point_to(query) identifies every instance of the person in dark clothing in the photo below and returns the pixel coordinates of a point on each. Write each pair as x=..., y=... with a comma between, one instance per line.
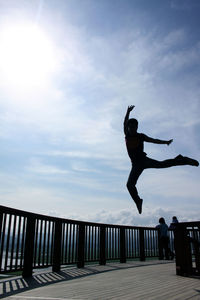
x=140, y=161
x=163, y=241
x=174, y=222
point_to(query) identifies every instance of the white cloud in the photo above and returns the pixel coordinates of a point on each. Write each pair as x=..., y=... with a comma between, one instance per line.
x=36, y=166
x=176, y=61
x=174, y=38
x=65, y=115
x=130, y=217
x=184, y=5
x=170, y=183
x=80, y=113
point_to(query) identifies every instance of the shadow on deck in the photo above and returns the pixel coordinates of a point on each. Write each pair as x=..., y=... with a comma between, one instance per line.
x=15, y=285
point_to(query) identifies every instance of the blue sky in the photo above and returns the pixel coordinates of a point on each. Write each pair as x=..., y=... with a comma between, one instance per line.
x=68, y=71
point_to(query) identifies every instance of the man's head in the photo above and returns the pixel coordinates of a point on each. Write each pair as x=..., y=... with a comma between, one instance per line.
x=174, y=219
x=162, y=221
x=132, y=126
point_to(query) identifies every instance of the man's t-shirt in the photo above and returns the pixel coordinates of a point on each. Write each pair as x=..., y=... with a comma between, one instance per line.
x=135, y=146
x=163, y=228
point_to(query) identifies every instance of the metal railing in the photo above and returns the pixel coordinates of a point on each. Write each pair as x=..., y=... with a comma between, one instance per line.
x=187, y=247
x=29, y=241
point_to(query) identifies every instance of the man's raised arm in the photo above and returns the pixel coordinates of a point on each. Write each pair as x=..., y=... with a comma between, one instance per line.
x=129, y=109
x=157, y=141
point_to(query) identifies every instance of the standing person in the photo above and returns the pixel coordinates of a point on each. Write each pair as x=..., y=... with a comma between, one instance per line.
x=174, y=222
x=140, y=161
x=172, y=226
x=163, y=240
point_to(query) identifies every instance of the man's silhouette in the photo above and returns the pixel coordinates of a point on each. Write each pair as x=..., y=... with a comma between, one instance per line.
x=140, y=161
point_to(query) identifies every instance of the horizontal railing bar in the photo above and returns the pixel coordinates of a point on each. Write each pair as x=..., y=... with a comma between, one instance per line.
x=189, y=224
x=23, y=213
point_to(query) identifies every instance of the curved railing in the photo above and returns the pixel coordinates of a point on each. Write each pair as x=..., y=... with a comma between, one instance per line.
x=29, y=241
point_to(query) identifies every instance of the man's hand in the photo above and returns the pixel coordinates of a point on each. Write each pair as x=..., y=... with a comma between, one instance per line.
x=169, y=142
x=130, y=108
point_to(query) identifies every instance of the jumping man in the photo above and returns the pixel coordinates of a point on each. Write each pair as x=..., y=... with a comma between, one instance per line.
x=140, y=161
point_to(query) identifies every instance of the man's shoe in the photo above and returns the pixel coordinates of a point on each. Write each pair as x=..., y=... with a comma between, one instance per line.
x=187, y=160
x=191, y=162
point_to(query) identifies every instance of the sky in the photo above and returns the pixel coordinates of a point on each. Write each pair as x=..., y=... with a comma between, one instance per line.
x=68, y=71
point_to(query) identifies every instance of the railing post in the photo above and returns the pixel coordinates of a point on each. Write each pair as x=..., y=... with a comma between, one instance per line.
x=1, y=221
x=122, y=245
x=196, y=254
x=183, y=251
x=29, y=247
x=57, y=246
x=1, y=238
x=102, y=245
x=142, y=252
x=81, y=245
x=196, y=247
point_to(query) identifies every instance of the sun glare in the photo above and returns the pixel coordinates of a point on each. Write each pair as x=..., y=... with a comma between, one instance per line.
x=26, y=56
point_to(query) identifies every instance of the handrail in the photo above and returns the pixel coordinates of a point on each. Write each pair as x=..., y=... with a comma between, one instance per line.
x=7, y=209
x=29, y=240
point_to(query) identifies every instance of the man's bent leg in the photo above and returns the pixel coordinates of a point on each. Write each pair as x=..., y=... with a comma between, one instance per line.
x=132, y=180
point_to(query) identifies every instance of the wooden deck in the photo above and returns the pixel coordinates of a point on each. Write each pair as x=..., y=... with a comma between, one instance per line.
x=148, y=280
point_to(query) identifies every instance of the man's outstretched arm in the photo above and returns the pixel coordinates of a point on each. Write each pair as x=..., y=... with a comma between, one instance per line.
x=129, y=109
x=157, y=141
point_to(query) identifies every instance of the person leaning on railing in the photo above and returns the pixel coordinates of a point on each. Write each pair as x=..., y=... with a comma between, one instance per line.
x=164, y=240
x=173, y=223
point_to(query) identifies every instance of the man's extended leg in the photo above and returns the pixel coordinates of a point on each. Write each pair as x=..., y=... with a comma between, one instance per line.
x=132, y=180
x=177, y=161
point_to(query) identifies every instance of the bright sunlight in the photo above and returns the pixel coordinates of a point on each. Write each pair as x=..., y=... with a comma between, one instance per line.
x=26, y=56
